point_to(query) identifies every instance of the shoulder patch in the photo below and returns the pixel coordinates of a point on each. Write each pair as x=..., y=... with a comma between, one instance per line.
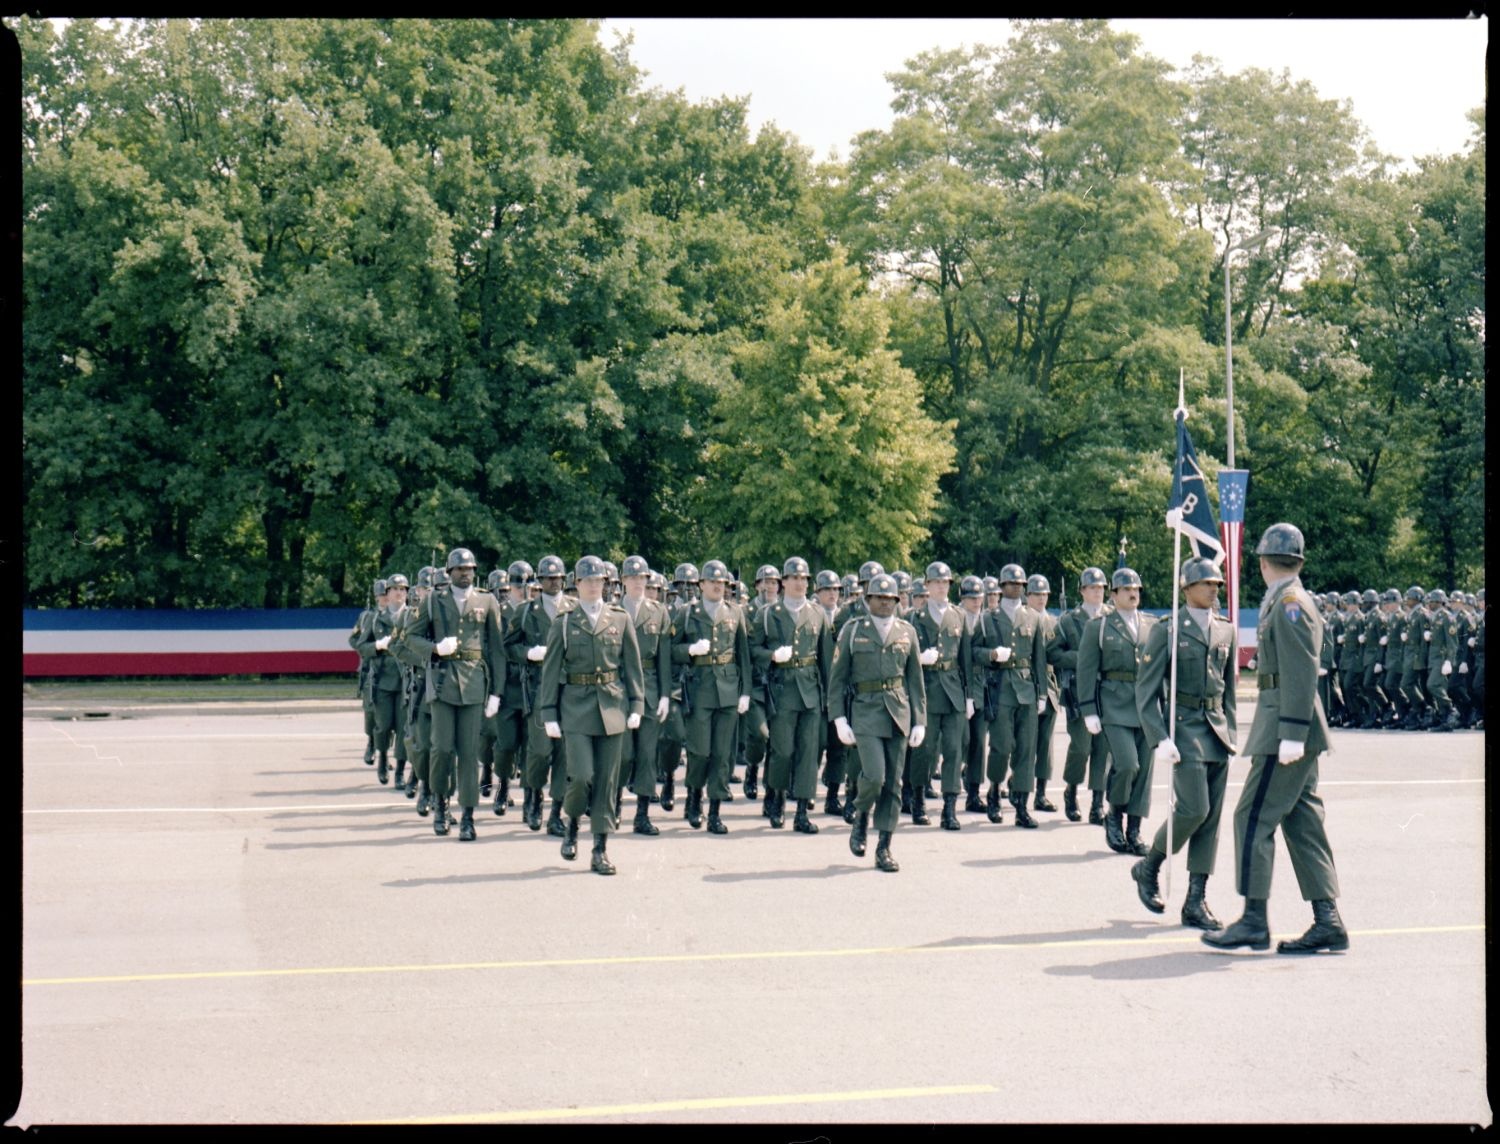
x=1293, y=608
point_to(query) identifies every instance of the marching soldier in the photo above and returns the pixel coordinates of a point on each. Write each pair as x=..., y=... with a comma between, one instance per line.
x=1387, y=670
x=1372, y=646
x=1441, y=637
x=1011, y=651
x=1203, y=737
x=791, y=647
x=1328, y=657
x=459, y=629
x=1108, y=663
x=755, y=728
x=526, y=648
x=878, y=677
x=829, y=588
x=1351, y=659
x=1478, y=645
x=653, y=636
x=991, y=594
x=946, y=659
x=854, y=607
x=383, y=678
x=712, y=639
x=1281, y=790
x=1413, y=647
x=976, y=729
x=1037, y=591
x=592, y=693
x=674, y=731
x=356, y=637
x=1085, y=750
x=418, y=707
x=510, y=723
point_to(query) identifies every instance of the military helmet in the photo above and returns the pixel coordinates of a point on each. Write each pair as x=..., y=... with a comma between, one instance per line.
x=611, y=570
x=440, y=578
x=1125, y=578
x=656, y=580
x=1037, y=585
x=1390, y=596
x=1369, y=596
x=937, y=570
x=1349, y=598
x=850, y=584
x=424, y=576
x=1415, y=592
x=1198, y=569
x=795, y=566
x=493, y=580
x=1479, y=596
x=1280, y=540
x=1437, y=596
x=903, y=580
x=970, y=586
x=827, y=578
x=379, y=587
x=685, y=574
x=590, y=568
x=461, y=558
x=396, y=580
x=918, y=590
x=635, y=566
x=1012, y=574
x=991, y=585
x=518, y=573
x=716, y=571
x=767, y=572
x=882, y=584
x=868, y=569
x=1093, y=578
x=550, y=566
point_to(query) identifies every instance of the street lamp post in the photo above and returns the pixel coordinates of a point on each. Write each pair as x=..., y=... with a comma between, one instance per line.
x=1252, y=243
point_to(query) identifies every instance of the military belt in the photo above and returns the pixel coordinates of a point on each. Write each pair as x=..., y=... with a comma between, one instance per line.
x=713, y=660
x=1266, y=682
x=468, y=655
x=801, y=661
x=1200, y=702
x=593, y=677
x=870, y=685
x=1121, y=676
x=1013, y=663
x=944, y=665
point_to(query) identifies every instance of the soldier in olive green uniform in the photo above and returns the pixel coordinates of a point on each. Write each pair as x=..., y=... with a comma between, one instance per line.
x=712, y=640
x=976, y=729
x=545, y=772
x=829, y=588
x=1387, y=670
x=418, y=707
x=791, y=647
x=1328, y=659
x=1037, y=591
x=653, y=635
x=1203, y=738
x=1351, y=659
x=459, y=628
x=356, y=637
x=1281, y=790
x=1108, y=664
x=755, y=727
x=510, y=722
x=384, y=678
x=1009, y=649
x=674, y=730
x=1085, y=750
x=947, y=662
x=1411, y=644
x=877, y=676
x=1371, y=654
x=1442, y=642
x=592, y=692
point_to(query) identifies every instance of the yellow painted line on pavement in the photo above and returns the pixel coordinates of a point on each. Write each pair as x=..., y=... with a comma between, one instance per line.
x=715, y=1102
x=679, y=958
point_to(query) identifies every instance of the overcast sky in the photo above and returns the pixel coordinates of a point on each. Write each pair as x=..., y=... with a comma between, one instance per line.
x=1410, y=81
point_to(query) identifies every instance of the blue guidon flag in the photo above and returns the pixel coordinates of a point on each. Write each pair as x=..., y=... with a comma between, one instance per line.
x=1189, y=509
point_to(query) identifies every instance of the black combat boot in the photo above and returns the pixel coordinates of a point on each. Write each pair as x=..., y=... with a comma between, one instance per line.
x=1023, y=816
x=1326, y=932
x=1041, y=801
x=397, y=778
x=883, y=859
x=502, y=796
x=992, y=803
x=857, y=835
x=930, y=792
x=1146, y=885
x=383, y=770
x=526, y=805
x=752, y=788
x=424, y=804
x=832, y=805
x=778, y=809
x=440, y=819
x=693, y=812
x=1448, y=724
x=1114, y=830
x=554, y=820
x=466, y=825
x=1251, y=929
x=972, y=805
x=1070, y=802
x=411, y=783
x=570, y=840
x=1133, y=843
x=536, y=809
x=919, y=808
x=600, y=863
x=487, y=780
x=643, y=823
x=1195, y=911
x=715, y=823
x=850, y=814
x=668, y=792
x=802, y=823
x=950, y=813
x=1096, y=808
x=369, y=751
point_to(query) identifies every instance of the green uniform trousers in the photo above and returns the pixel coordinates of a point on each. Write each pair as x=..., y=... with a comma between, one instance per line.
x=544, y=759
x=1044, y=725
x=1198, y=788
x=1129, y=784
x=593, y=769
x=455, y=731
x=1085, y=751
x=419, y=730
x=976, y=748
x=835, y=757
x=710, y=747
x=390, y=722
x=639, y=757
x=1013, y=747
x=793, y=743
x=1286, y=797
x=880, y=764
x=945, y=735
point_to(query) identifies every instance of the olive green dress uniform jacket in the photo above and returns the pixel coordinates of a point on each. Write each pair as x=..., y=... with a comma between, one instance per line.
x=946, y=681
x=1028, y=653
x=1394, y=652
x=576, y=648
x=715, y=685
x=528, y=629
x=1288, y=640
x=809, y=634
x=1376, y=627
x=383, y=667
x=1206, y=725
x=859, y=657
x=1416, y=628
x=1052, y=642
x=1109, y=648
x=476, y=670
x=653, y=635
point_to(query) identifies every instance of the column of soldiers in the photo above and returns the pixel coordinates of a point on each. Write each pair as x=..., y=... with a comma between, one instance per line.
x=902, y=696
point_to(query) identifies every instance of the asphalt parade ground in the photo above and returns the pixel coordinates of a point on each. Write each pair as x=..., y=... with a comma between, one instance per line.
x=226, y=919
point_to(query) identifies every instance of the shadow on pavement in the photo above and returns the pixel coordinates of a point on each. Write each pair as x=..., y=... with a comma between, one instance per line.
x=1114, y=929
x=1156, y=967
x=469, y=879
x=777, y=875
x=1042, y=859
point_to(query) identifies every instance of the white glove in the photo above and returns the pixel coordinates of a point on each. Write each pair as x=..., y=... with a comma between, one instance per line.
x=382, y=643
x=1041, y=706
x=1167, y=752
x=1384, y=640
x=1471, y=642
x=1341, y=639
x=1463, y=669
x=1290, y=751
x=781, y=654
x=1361, y=638
x=929, y=657
x=1379, y=668
x=1427, y=635
x=744, y=704
x=1322, y=671
x=1250, y=666
x=537, y=653
x=633, y=721
x=999, y=654
x=699, y=647
x=1093, y=724
x=845, y=732
x=968, y=709
x=918, y=733
x=491, y=705
x=1447, y=668
x=553, y=730
x=1404, y=637
x=447, y=645
x=661, y=709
